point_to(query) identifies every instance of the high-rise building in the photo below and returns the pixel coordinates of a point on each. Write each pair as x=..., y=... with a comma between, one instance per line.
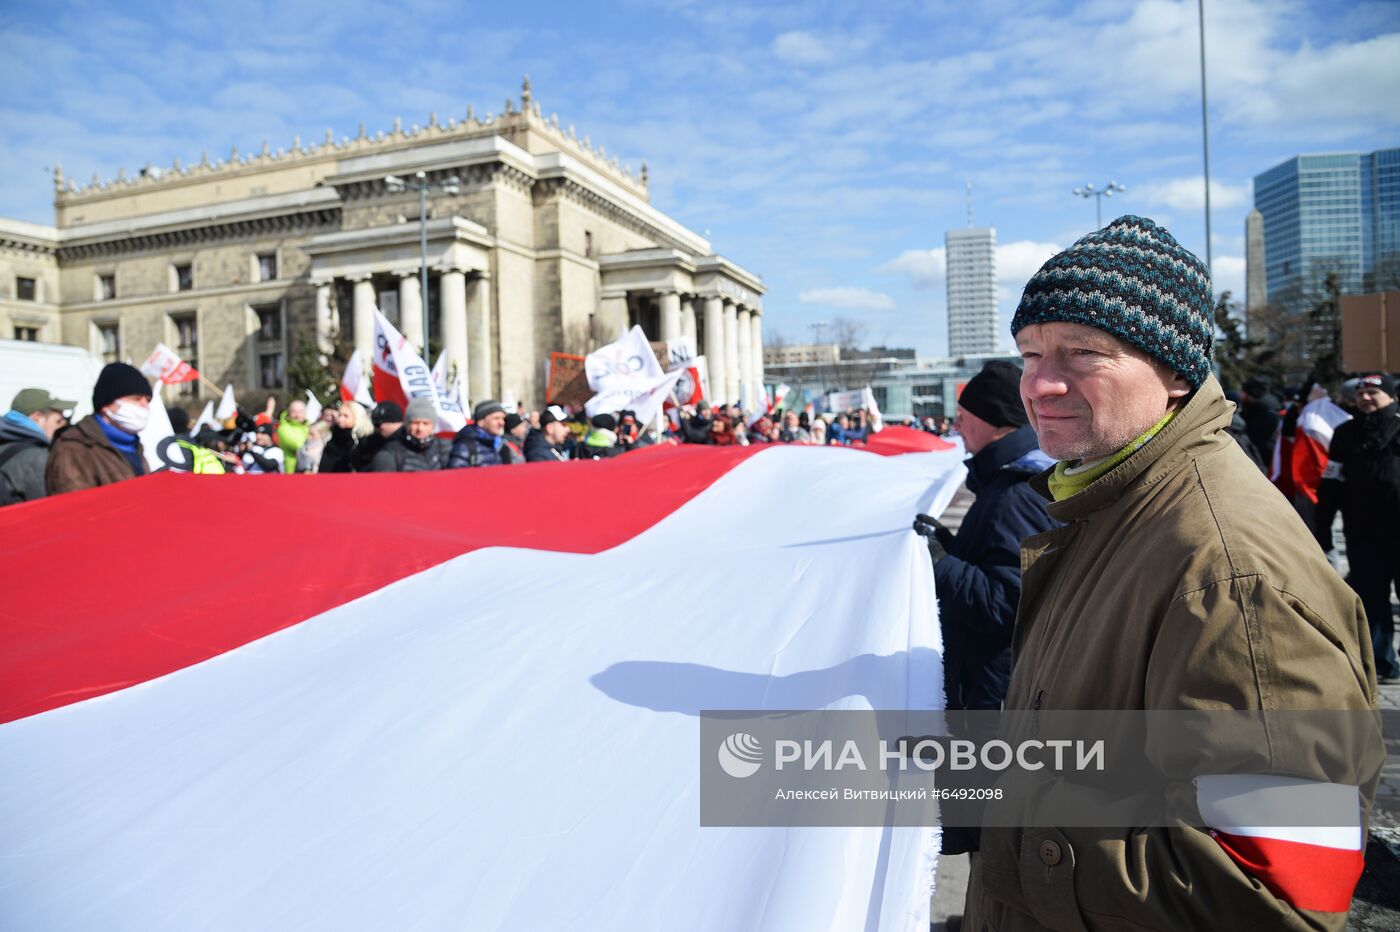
x=1333, y=214
x=1337, y=213
x=973, y=327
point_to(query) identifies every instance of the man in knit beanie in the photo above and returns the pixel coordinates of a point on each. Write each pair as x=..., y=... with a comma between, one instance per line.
x=105, y=446
x=1181, y=581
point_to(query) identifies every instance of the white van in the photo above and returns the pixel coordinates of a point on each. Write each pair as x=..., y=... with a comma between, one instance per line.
x=63, y=371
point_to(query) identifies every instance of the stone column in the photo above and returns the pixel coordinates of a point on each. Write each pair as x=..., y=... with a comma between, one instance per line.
x=756, y=350
x=479, y=338
x=745, y=360
x=714, y=347
x=688, y=323
x=364, y=315
x=670, y=304
x=411, y=310
x=325, y=323
x=452, y=286
x=731, y=353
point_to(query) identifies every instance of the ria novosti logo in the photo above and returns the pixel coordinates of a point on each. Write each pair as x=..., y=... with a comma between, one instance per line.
x=740, y=755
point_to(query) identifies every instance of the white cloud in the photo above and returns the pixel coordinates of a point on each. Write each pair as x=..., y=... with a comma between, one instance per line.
x=1018, y=261
x=1189, y=193
x=805, y=48
x=858, y=298
x=802, y=48
x=1227, y=273
x=926, y=268
x=923, y=267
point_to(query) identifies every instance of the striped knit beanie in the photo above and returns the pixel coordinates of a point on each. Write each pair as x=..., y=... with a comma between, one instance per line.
x=1130, y=279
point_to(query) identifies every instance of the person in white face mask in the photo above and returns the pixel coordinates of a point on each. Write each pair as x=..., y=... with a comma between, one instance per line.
x=103, y=447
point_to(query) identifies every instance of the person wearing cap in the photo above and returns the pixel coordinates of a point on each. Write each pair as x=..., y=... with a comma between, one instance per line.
x=387, y=420
x=1181, y=580
x=517, y=428
x=977, y=572
x=415, y=448
x=26, y=431
x=105, y=446
x=260, y=453
x=482, y=442
x=600, y=442
x=545, y=444
x=1259, y=407
x=1364, y=458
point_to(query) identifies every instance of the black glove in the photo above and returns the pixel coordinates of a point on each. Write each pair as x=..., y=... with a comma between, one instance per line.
x=940, y=539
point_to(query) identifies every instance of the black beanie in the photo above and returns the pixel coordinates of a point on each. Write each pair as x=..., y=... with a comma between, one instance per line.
x=994, y=395
x=117, y=380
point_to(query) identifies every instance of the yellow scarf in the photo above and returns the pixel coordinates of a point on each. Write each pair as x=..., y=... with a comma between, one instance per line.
x=1070, y=478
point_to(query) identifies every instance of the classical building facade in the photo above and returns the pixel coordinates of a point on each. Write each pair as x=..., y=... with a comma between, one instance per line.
x=542, y=244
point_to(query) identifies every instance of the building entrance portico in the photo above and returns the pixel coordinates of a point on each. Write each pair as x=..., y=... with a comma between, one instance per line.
x=708, y=302
x=380, y=267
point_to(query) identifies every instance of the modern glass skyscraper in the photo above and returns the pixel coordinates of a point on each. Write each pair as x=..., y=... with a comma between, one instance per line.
x=1333, y=214
x=1337, y=213
x=973, y=328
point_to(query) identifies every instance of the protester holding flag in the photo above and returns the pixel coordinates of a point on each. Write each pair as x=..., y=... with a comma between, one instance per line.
x=105, y=446
x=292, y=431
x=977, y=571
x=416, y=448
x=482, y=442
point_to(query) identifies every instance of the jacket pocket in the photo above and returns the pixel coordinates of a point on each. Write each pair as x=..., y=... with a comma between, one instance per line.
x=1047, y=879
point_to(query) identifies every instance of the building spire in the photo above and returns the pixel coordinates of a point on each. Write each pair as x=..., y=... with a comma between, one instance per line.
x=525, y=95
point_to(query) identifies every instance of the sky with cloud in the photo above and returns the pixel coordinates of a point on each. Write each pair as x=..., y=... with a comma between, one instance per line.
x=824, y=145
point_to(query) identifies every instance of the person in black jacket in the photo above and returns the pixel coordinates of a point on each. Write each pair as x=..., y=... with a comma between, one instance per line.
x=1259, y=408
x=1365, y=457
x=387, y=420
x=545, y=444
x=415, y=448
x=977, y=572
x=351, y=426
x=696, y=429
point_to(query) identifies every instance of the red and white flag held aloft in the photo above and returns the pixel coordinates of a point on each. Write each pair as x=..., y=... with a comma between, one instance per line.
x=401, y=375
x=354, y=386
x=165, y=364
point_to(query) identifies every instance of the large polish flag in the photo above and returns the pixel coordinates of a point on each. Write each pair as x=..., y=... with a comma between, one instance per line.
x=463, y=700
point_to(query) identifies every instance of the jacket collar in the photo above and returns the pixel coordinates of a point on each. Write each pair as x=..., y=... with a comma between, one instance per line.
x=998, y=454
x=1197, y=429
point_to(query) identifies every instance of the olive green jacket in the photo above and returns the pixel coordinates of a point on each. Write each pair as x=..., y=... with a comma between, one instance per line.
x=1182, y=580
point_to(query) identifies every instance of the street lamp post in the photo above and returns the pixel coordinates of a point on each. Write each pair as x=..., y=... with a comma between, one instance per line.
x=1098, y=194
x=449, y=185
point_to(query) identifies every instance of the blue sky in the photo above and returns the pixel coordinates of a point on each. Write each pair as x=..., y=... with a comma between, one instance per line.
x=823, y=145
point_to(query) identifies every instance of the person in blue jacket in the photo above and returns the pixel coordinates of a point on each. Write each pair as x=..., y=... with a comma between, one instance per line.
x=977, y=572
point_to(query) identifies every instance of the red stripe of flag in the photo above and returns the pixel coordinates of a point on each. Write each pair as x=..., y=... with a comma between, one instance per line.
x=1305, y=876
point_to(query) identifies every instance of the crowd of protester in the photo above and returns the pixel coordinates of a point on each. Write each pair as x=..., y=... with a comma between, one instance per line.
x=41, y=453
